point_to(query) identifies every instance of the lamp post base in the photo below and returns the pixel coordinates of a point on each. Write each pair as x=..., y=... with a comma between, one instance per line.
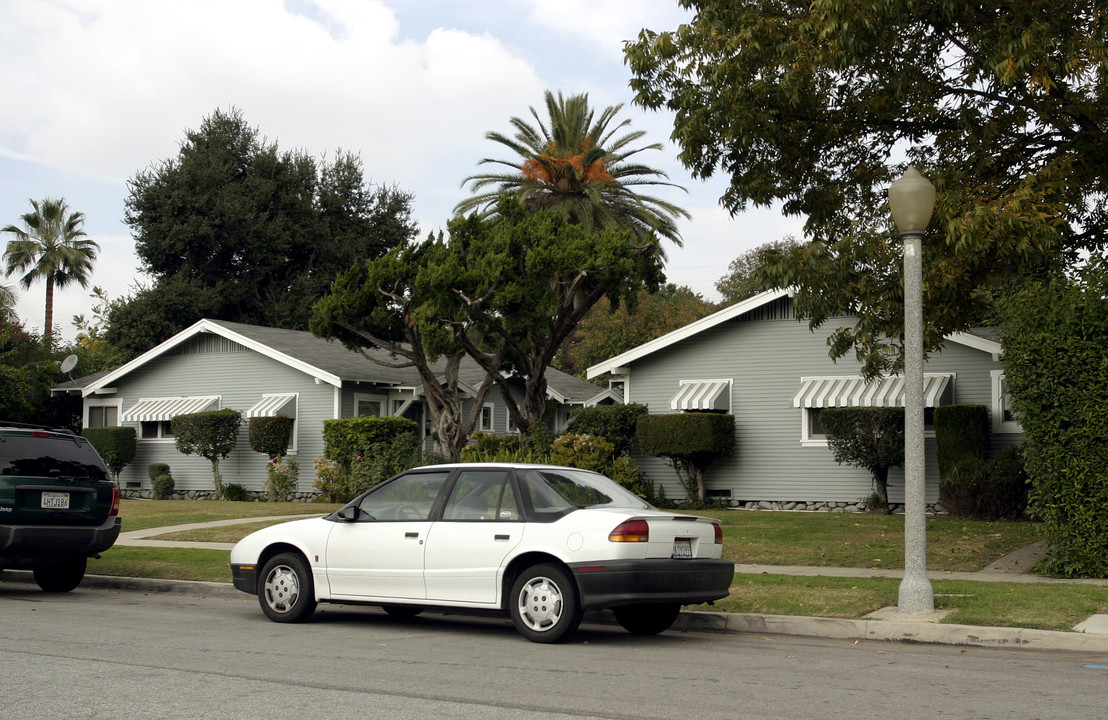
x=916, y=596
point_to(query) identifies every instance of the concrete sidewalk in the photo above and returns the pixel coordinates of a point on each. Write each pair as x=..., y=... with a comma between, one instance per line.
x=885, y=624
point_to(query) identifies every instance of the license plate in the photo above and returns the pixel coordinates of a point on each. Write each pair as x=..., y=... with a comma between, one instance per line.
x=682, y=548
x=55, y=500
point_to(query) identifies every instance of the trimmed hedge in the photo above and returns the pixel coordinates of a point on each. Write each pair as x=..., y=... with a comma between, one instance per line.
x=211, y=435
x=615, y=423
x=270, y=435
x=346, y=439
x=117, y=445
x=867, y=437
x=690, y=442
x=961, y=431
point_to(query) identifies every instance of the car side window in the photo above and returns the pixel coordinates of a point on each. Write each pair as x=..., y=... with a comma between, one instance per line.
x=482, y=495
x=408, y=497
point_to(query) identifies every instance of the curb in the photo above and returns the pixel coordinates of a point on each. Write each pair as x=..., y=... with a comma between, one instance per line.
x=906, y=631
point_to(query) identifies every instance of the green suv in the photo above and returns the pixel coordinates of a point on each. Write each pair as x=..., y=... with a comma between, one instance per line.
x=58, y=504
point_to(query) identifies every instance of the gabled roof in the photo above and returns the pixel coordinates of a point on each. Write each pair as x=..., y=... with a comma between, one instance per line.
x=983, y=339
x=328, y=361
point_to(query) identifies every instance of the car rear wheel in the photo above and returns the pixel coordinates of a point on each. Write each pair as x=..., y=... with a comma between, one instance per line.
x=646, y=619
x=63, y=576
x=286, y=592
x=543, y=604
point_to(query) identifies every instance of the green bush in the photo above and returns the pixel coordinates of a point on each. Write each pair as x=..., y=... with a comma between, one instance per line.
x=994, y=489
x=236, y=493
x=153, y=470
x=282, y=476
x=211, y=435
x=117, y=445
x=867, y=437
x=1056, y=369
x=348, y=438
x=270, y=435
x=616, y=423
x=162, y=485
x=961, y=431
x=690, y=442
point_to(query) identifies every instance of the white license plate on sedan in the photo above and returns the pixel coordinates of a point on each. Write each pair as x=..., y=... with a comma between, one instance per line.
x=55, y=500
x=682, y=548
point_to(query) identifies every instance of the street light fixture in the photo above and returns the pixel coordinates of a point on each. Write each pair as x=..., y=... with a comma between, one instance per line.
x=911, y=200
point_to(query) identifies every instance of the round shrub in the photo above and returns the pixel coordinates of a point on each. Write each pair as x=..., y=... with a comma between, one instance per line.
x=163, y=486
x=236, y=493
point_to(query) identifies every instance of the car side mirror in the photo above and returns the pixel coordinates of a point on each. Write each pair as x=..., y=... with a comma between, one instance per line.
x=349, y=513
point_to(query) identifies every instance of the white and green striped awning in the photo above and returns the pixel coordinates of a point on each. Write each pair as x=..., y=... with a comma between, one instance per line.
x=702, y=395
x=160, y=409
x=856, y=391
x=274, y=404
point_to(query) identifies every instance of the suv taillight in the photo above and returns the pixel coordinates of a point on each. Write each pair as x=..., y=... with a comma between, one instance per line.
x=631, y=531
x=719, y=534
x=115, y=502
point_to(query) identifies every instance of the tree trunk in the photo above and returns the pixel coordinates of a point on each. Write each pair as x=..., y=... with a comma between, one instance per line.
x=48, y=331
x=881, y=487
x=218, y=479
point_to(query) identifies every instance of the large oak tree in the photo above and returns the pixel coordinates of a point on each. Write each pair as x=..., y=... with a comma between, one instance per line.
x=815, y=105
x=236, y=229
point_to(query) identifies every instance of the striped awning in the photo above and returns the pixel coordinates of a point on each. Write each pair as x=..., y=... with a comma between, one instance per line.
x=702, y=395
x=855, y=391
x=159, y=409
x=274, y=404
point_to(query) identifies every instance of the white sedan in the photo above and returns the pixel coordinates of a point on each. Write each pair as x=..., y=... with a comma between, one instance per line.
x=542, y=543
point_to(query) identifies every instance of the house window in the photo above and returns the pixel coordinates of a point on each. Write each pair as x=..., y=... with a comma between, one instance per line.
x=512, y=427
x=154, y=415
x=156, y=429
x=1004, y=417
x=103, y=415
x=371, y=405
x=486, y=419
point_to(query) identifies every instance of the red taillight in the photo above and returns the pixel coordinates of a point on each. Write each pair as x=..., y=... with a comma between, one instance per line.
x=115, y=502
x=719, y=533
x=631, y=531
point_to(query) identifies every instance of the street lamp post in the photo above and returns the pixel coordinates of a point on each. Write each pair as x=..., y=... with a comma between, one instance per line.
x=911, y=200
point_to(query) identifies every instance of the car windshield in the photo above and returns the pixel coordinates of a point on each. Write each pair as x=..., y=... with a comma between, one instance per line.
x=558, y=490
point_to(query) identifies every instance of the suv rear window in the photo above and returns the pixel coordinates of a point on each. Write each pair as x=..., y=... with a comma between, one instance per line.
x=49, y=456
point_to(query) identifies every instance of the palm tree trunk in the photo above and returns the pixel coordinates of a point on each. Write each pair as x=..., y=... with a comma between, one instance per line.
x=48, y=331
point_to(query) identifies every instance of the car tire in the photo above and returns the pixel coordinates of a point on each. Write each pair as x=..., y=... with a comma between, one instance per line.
x=285, y=589
x=543, y=604
x=402, y=612
x=61, y=577
x=647, y=619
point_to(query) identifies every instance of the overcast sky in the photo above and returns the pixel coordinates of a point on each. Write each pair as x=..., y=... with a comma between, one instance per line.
x=97, y=90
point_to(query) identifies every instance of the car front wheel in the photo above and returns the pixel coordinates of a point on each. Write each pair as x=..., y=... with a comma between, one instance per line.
x=285, y=592
x=543, y=604
x=63, y=576
x=646, y=619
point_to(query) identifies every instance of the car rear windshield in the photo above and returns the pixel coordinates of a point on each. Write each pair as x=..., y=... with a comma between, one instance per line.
x=557, y=491
x=49, y=456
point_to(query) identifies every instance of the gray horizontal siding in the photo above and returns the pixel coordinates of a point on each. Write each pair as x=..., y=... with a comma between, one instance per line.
x=765, y=358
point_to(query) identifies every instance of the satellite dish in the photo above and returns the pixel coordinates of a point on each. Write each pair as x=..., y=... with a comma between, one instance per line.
x=69, y=363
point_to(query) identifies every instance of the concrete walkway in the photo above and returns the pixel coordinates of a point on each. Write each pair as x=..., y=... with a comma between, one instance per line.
x=885, y=624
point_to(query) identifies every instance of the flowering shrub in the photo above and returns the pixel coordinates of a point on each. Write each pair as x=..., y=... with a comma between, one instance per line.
x=283, y=476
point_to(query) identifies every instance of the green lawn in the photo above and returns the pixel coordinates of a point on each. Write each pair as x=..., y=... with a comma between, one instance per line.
x=768, y=538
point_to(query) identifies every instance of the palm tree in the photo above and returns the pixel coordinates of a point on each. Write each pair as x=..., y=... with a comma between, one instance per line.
x=7, y=304
x=578, y=165
x=51, y=245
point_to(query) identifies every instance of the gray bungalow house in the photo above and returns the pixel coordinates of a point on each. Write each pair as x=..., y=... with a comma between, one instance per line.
x=264, y=371
x=757, y=362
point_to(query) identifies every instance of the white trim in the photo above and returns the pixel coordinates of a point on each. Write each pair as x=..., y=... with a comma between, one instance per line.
x=693, y=328
x=210, y=326
x=1000, y=425
x=619, y=365
x=381, y=400
x=116, y=403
